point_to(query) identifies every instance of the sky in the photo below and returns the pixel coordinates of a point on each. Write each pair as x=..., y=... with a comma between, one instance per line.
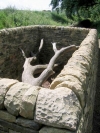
x=26, y=4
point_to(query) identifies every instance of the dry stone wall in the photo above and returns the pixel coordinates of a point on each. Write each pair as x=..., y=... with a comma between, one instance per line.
x=67, y=107
x=28, y=38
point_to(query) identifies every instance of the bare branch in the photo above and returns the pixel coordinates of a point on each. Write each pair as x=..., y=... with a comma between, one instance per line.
x=29, y=72
x=23, y=53
x=58, y=52
x=54, y=47
x=39, y=68
x=40, y=47
x=49, y=70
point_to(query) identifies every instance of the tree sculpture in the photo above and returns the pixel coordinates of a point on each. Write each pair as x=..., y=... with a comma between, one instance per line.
x=47, y=70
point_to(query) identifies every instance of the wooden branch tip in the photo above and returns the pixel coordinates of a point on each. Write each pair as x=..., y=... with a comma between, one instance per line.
x=41, y=45
x=54, y=47
x=23, y=53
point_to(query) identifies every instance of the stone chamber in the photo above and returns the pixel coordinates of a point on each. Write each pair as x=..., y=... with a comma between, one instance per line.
x=67, y=105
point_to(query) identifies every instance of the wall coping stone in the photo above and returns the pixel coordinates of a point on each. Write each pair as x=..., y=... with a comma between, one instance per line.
x=75, y=101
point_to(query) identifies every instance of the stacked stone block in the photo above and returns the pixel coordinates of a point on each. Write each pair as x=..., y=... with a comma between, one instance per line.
x=67, y=107
x=28, y=38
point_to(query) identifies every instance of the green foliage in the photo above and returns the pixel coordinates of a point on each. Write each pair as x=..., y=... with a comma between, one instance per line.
x=59, y=18
x=2, y=19
x=73, y=7
x=11, y=17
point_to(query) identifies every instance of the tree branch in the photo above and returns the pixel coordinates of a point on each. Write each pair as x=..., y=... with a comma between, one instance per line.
x=49, y=70
x=29, y=72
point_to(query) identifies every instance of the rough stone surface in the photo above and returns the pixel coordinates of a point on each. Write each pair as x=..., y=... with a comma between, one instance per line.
x=60, y=79
x=28, y=38
x=14, y=96
x=96, y=118
x=79, y=61
x=5, y=84
x=28, y=123
x=12, y=131
x=47, y=129
x=82, y=67
x=2, y=128
x=77, y=89
x=28, y=102
x=85, y=54
x=6, y=116
x=3, y=132
x=71, y=82
x=15, y=127
x=74, y=72
x=62, y=100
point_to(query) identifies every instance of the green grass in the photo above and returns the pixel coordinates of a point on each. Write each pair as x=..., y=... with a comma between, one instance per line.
x=11, y=17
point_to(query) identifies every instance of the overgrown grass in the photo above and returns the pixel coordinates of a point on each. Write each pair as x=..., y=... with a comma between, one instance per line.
x=11, y=17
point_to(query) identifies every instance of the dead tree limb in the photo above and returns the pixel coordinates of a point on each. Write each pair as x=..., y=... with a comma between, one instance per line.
x=29, y=70
x=47, y=70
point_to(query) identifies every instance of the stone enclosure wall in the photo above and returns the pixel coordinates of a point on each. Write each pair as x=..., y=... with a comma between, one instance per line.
x=28, y=38
x=67, y=107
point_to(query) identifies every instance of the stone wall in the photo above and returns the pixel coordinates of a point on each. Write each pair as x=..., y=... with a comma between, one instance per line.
x=28, y=38
x=67, y=107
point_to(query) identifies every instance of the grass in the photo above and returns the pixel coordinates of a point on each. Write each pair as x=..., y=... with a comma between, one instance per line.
x=11, y=17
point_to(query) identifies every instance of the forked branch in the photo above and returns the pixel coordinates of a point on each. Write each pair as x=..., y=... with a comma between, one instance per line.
x=47, y=70
x=29, y=70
